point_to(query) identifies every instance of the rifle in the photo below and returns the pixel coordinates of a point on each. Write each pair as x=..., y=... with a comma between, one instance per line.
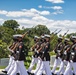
x=64, y=35
x=55, y=33
x=58, y=32
x=66, y=32
x=62, y=41
x=12, y=46
x=27, y=32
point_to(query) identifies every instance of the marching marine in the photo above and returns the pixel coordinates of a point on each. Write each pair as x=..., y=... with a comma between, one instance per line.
x=11, y=48
x=72, y=61
x=42, y=42
x=45, y=58
x=65, y=57
x=35, y=54
x=19, y=58
x=58, y=50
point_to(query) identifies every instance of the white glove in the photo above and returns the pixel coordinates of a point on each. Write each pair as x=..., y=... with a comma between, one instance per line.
x=8, y=48
x=31, y=49
x=12, y=51
x=17, y=51
x=43, y=52
x=65, y=52
x=37, y=52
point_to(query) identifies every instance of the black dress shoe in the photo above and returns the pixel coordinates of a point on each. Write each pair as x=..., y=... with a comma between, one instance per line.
x=32, y=74
x=4, y=72
x=53, y=74
x=29, y=73
x=73, y=74
x=43, y=74
x=17, y=74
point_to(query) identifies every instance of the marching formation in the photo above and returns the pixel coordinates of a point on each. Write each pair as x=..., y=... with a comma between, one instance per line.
x=65, y=54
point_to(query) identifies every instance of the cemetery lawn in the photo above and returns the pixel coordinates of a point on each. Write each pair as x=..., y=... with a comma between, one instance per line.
x=2, y=67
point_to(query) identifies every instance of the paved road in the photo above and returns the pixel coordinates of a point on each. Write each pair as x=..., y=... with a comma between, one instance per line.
x=1, y=72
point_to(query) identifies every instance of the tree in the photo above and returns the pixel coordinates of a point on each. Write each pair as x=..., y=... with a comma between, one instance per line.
x=41, y=29
x=3, y=49
x=68, y=35
x=53, y=41
x=6, y=34
x=11, y=24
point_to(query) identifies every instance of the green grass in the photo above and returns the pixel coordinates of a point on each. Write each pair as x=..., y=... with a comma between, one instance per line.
x=2, y=67
x=56, y=68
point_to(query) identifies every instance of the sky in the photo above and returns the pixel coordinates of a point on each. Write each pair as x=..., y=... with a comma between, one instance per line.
x=55, y=14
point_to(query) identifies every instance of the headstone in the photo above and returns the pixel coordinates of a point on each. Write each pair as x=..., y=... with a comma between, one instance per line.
x=4, y=61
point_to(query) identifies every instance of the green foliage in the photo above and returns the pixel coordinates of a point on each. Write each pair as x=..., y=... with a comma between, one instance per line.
x=41, y=29
x=53, y=41
x=68, y=35
x=6, y=34
x=52, y=53
x=11, y=24
x=3, y=50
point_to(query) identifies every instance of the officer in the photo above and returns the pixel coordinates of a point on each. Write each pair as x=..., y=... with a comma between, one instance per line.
x=35, y=54
x=58, y=50
x=42, y=42
x=11, y=60
x=45, y=58
x=20, y=57
x=65, y=58
x=72, y=62
x=73, y=55
x=13, y=49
